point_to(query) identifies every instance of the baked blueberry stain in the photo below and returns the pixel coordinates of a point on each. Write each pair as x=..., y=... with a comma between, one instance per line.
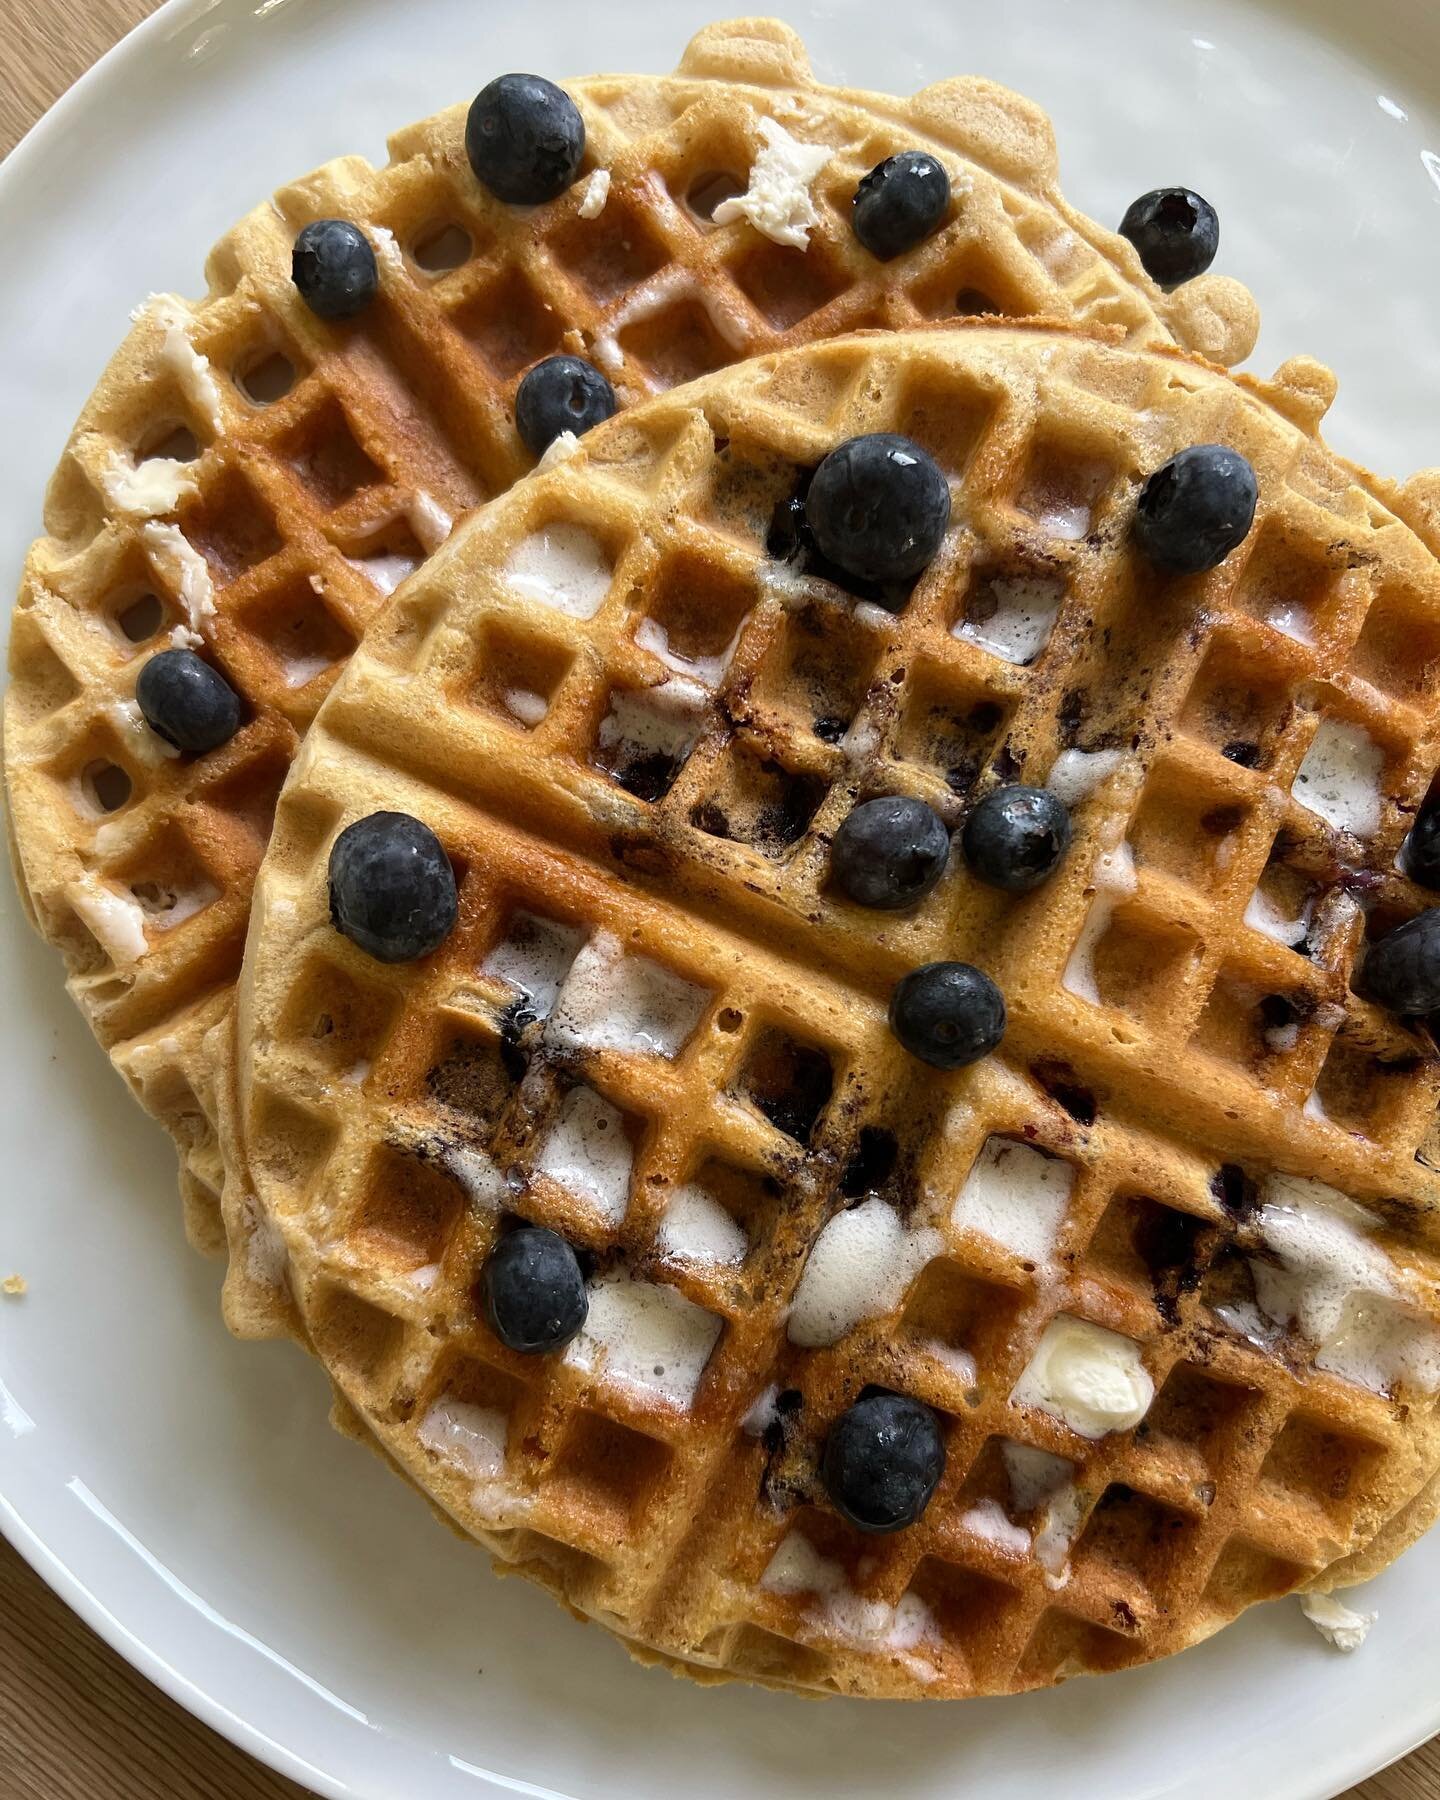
x=513, y=1023
x=1234, y=1190
x=872, y=1162
x=790, y=1084
x=1066, y=1089
x=782, y=1480
x=1169, y=1244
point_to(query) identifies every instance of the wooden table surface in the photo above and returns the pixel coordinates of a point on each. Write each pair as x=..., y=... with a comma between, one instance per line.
x=76, y=1722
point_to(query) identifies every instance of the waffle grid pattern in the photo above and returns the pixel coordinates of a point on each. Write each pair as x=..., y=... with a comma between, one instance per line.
x=323, y=464
x=1254, y=1470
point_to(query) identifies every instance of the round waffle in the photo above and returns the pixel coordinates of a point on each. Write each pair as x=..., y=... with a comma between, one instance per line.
x=657, y=1030
x=251, y=476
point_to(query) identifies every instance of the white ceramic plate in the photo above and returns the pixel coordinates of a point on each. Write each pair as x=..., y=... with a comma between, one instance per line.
x=182, y=1491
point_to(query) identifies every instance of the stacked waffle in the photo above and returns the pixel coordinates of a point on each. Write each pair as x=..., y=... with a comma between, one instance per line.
x=576, y=1122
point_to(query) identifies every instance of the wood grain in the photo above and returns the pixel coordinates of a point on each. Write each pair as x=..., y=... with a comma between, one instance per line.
x=76, y=1722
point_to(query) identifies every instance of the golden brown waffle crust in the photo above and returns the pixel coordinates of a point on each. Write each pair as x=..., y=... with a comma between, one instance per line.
x=382, y=442
x=1270, y=1469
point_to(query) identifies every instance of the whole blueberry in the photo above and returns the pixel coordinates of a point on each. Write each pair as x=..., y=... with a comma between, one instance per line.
x=524, y=138
x=1194, y=510
x=949, y=1014
x=1401, y=970
x=334, y=269
x=1176, y=232
x=878, y=507
x=1016, y=837
x=883, y=1460
x=563, y=393
x=532, y=1291
x=392, y=890
x=899, y=203
x=186, y=702
x=889, y=852
x=1422, y=847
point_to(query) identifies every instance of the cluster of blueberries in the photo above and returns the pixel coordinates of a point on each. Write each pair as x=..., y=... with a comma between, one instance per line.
x=877, y=509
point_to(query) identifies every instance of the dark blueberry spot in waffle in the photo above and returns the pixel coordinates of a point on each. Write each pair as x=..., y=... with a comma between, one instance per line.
x=1071, y=714
x=1276, y=1012
x=872, y=1162
x=1234, y=1189
x=1064, y=1087
x=786, y=538
x=514, y=1058
x=960, y=776
x=1247, y=755
x=711, y=818
x=1165, y=1240
x=785, y=820
x=1220, y=821
x=789, y=1083
x=648, y=777
x=985, y=716
x=828, y=729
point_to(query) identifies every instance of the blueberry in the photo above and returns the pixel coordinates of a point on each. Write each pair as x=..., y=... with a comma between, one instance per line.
x=1015, y=838
x=334, y=269
x=899, y=203
x=889, y=852
x=1176, y=232
x=1194, y=510
x=948, y=1014
x=392, y=890
x=524, y=138
x=883, y=1460
x=1422, y=847
x=532, y=1292
x=186, y=702
x=1401, y=970
x=563, y=393
x=878, y=507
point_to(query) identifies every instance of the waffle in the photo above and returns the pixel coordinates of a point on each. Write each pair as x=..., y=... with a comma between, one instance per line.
x=638, y=788
x=240, y=455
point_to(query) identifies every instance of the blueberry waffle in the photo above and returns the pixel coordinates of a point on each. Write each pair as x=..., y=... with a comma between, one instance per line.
x=825, y=1055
